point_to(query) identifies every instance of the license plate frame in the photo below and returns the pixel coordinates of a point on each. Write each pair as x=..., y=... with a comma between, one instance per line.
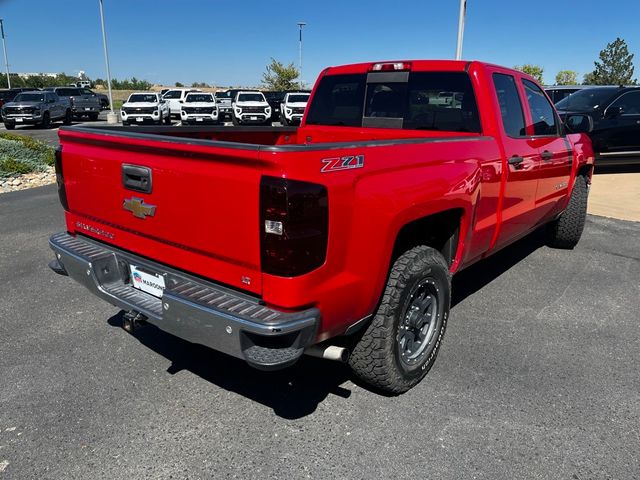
x=151, y=283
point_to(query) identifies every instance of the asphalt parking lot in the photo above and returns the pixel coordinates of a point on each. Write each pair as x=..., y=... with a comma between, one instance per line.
x=537, y=378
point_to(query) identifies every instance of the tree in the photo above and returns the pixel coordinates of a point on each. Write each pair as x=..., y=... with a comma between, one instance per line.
x=615, y=66
x=179, y=85
x=566, y=77
x=280, y=77
x=534, y=70
x=588, y=79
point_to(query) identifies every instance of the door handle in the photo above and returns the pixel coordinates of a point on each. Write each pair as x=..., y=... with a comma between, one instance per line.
x=137, y=178
x=546, y=155
x=516, y=161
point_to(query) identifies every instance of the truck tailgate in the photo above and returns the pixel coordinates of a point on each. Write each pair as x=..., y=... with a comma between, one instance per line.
x=206, y=200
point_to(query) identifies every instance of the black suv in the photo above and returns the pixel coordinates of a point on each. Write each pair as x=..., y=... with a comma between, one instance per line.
x=616, y=121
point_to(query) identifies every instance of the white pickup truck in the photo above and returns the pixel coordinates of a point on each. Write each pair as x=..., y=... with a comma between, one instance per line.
x=145, y=107
x=175, y=98
x=292, y=108
x=199, y=107
x=250, y=107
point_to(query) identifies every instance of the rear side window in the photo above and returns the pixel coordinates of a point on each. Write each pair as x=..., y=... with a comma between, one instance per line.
x=510, y=105
x=427, y=101
x=338, y=101
x=542, y=113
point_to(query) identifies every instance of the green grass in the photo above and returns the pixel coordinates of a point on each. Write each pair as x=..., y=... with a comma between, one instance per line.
x=22, y=154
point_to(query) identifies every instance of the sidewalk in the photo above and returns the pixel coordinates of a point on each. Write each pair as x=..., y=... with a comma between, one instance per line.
x=615, y=195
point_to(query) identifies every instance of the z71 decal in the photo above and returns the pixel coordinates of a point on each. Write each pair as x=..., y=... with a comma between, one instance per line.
x=342, y=163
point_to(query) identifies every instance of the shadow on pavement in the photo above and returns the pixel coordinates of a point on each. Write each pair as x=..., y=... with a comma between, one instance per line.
x=609, y=169
x=295, y=392
x=292, y=393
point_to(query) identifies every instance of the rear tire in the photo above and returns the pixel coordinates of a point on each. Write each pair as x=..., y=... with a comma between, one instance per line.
x=46, y=120
x=400, y=345
x=565, y=232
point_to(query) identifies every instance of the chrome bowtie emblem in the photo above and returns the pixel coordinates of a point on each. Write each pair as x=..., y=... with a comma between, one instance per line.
x=139, y=208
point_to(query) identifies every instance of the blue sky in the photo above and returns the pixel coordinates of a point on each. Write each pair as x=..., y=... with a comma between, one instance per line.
x=230, y=42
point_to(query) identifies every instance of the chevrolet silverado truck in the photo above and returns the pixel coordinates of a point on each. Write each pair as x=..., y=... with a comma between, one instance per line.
x=250, y=107
x=199, y=107
x=336, y=239
x=83, y=101
x=292, y=108
x=145, y=107
x=36, y=108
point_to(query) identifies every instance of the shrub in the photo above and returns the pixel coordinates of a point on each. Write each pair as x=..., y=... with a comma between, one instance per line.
x=20, y=154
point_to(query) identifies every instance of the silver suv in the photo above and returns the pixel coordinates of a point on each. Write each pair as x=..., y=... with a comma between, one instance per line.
x=36, y=108
x=83, y=101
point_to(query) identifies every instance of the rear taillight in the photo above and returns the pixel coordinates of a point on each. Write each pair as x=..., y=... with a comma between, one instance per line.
x=294, y=224
x=62, y=192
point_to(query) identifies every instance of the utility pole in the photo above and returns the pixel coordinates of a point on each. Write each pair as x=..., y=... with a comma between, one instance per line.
x=463, y=12
x=4, y=47
x=301, y=25
x=111, y=116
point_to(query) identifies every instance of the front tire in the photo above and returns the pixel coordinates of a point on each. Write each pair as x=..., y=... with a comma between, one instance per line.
x=93, y=116
x=46, y=120
x=400, y=345
x=167, y=120
x=235, y=121
x=10, y=126
x=565, y=232
x=283, y=121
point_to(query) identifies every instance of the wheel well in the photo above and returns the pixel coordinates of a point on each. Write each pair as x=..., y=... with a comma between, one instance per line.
x=586, y=171
x=440, y=231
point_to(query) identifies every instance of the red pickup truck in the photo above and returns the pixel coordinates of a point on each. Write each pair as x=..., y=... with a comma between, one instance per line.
x=338, y=238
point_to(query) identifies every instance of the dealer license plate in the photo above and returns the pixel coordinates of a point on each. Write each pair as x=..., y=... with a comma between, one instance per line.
x=19, y=120
x=147, y=282
x=87, y=109
x=198, y=119
x=139, y=119
x=254, y=118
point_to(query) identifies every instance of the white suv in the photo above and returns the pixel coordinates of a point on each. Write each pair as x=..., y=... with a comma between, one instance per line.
x=175, y=98
x=292, y=107
x=145, y=107
x=199, y=107
x=250, y=107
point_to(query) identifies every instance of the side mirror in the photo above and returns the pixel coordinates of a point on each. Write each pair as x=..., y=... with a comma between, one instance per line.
x=612, y=112
x=578, y=123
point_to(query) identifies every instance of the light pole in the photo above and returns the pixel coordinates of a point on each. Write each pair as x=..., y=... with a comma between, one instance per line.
x=301, y=25
x=111, y=116
x=4, y=47
x=463, y=12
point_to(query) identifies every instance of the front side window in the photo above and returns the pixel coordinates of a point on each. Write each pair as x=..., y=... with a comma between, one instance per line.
x=542, y=113
x=629, y=103
x=510, y=105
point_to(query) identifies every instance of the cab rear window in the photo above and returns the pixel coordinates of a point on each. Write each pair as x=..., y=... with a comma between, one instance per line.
x=442, y=101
